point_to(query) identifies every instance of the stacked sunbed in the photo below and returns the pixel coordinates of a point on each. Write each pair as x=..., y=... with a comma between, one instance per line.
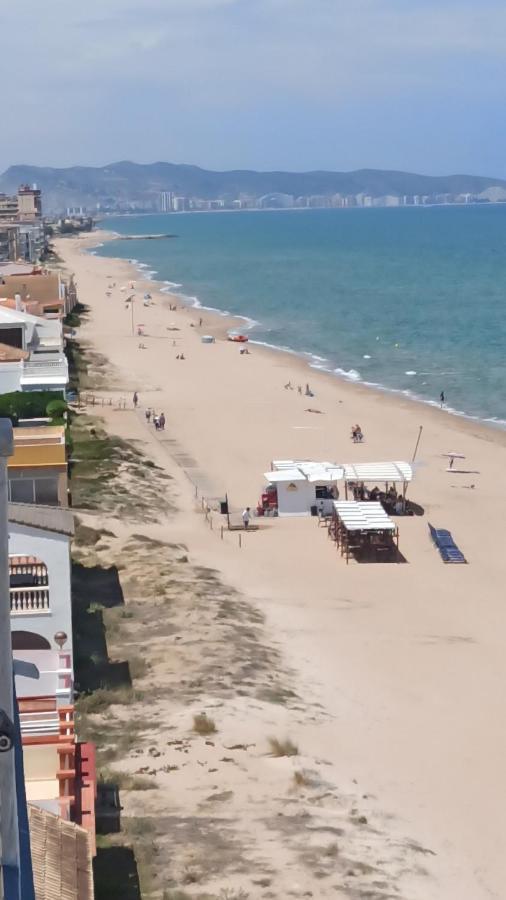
x=447, y=547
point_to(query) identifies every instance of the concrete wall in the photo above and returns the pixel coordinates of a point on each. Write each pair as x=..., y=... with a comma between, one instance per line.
x=53, y=550
x=10, y=376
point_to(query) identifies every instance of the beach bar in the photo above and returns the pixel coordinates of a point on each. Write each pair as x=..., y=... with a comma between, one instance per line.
x=304, y=488
x=301, y=487
x=363, y=528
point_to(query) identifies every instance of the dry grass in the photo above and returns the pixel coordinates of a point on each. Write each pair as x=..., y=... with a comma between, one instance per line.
x=101, y=699
x=203, y=724
x=302, y=779
x=127, y=782
x=283, y=748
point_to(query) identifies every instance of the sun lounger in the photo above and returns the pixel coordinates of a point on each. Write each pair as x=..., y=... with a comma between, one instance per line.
x=447, y=547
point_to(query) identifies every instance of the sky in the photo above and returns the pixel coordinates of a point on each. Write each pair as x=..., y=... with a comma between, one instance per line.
x=417, y=85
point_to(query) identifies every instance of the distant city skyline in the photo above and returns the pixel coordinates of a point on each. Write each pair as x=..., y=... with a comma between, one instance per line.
x=295, y=85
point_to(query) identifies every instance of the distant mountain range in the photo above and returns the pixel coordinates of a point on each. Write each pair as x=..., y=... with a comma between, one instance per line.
x=124, y=182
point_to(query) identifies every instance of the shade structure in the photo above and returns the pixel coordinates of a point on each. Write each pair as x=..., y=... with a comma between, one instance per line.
x=284, y=475
x=363, y=516
x=388, y=472
x=309, y=470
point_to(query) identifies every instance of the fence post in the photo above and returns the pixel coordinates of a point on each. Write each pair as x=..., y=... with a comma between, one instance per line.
x=240, y=540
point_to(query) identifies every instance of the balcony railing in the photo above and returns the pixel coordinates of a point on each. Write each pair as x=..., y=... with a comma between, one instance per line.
x=29, y=600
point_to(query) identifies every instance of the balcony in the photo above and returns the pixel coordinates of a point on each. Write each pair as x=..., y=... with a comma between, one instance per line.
x=29, y=600
x=48, y=368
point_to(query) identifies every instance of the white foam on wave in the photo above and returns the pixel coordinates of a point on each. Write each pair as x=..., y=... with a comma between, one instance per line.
x=410, y=372
x=366, y=356
x=349, y=374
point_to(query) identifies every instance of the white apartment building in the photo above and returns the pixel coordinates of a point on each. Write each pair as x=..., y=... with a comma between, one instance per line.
x=31, y=353
x=40, y=577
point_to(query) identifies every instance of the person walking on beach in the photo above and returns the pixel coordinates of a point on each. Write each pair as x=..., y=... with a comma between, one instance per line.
x=148, y=414
x=162, y=421
x=442, y=398
x=246, y=516
x=136, y=399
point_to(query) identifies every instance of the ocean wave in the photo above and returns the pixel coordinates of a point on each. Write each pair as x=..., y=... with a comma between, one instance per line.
x=349, y=374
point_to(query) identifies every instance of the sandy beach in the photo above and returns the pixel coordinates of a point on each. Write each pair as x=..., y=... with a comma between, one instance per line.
x=401, y=666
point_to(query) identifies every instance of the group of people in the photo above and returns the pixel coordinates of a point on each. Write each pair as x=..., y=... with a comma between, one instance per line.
x=390, y=500
x=308, y=392
x=151, y=416
x=158, y=421
x=357, y=434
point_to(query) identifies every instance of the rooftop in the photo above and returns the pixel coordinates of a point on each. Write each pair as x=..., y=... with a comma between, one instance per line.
x=47, y=518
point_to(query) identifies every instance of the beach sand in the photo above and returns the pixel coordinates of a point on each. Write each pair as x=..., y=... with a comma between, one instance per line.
x=404, y=664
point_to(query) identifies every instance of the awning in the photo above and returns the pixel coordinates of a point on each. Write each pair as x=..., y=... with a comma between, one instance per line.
x=363, y=516
x=379, y=472
x=284, y=475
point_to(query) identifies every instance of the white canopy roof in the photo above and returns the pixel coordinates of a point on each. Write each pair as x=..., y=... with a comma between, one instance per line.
x=363, y=516
x=304, y=470
x=378, y=472
x=284, y=475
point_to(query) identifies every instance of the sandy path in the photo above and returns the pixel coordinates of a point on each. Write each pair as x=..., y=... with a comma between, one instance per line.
x=407, y=660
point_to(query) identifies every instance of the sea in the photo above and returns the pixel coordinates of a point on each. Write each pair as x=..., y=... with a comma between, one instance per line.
x=409, y=300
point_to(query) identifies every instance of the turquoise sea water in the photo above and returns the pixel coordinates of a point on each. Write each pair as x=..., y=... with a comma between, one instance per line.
x=412, y=300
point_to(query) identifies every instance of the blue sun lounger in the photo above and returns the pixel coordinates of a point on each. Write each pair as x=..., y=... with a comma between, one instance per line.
x=448, y=550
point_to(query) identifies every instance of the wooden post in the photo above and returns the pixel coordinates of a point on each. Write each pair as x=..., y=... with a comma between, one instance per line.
x=240, y=540
x=222, y=532
x=228, y=512
x=417, y=443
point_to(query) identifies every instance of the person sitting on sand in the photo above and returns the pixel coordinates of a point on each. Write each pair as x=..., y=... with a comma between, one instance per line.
x=308, y=391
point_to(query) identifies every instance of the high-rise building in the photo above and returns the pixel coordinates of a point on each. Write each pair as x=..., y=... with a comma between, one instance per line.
x=8, y=208
x=29, y=203
x=166, y=201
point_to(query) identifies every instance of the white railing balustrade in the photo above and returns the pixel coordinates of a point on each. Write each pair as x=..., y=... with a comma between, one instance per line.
x=29, y=600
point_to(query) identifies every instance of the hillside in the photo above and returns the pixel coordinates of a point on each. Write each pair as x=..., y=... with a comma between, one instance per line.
x=127, y=181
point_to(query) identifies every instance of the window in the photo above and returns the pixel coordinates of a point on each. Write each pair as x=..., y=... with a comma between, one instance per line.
x=46, y=491
x=21, y=490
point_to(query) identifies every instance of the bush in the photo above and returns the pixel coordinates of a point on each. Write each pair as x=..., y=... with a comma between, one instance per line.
x=27, y=405
x=202, y=724
x=55, y=409
x=283, y=748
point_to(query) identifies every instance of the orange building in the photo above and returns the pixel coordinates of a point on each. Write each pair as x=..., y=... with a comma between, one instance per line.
x=37, y=471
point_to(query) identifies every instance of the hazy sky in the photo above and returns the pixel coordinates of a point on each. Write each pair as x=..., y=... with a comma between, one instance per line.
x=417, y=85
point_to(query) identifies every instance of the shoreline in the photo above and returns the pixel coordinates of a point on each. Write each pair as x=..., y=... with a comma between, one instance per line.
x=491, y=426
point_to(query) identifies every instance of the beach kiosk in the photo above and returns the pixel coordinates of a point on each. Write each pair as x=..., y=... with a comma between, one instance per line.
x=303, y=488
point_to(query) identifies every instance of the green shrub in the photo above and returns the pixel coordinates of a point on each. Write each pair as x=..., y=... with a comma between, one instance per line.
x=55, y=409
x=27, y=405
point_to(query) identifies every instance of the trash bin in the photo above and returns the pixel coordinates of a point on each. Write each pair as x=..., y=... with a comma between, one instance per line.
x=223, y=507
x=314, y=510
